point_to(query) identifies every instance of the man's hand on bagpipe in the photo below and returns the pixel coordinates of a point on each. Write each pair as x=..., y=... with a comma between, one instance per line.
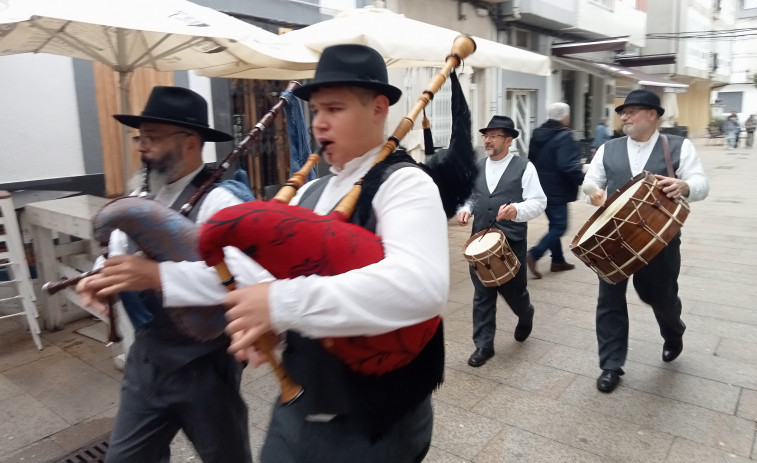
x=86, y=290
x=249, y=318
x=123, y=273
x=119, y=273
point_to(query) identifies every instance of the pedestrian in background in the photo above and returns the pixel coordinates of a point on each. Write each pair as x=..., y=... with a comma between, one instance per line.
x=555, y=156
x=750, y=125
x=602, y=133
x=732, y=128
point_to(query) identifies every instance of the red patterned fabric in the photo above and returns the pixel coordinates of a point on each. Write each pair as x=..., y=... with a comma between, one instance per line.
x=291, y=241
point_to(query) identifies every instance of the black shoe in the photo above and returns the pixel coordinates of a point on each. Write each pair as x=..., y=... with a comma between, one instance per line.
x=525, y=324
x=671, y=350
x=609, y=379
x=531, y=262
x=480, y=356
x=561, y=267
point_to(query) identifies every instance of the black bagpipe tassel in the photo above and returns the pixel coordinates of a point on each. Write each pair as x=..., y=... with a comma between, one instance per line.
x=454, y=168
x=428, y=138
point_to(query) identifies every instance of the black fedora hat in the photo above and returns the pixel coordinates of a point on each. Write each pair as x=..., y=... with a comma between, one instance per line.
x=501, y=122
x=642, y=97
x=351, y=65
x=176, y=106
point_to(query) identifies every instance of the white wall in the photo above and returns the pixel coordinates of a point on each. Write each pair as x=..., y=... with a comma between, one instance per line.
x=622, y=20
x=39, y=116
x=39, y=119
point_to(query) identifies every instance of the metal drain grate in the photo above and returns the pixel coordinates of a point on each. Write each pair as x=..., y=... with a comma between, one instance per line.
x=92, y=452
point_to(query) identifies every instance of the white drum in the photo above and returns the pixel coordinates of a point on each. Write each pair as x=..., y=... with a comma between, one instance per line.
x=491, y=257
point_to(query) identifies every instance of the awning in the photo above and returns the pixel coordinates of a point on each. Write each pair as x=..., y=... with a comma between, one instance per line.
x=618, y=72
x=568, y=48
x=581, y=66
x=647, y=60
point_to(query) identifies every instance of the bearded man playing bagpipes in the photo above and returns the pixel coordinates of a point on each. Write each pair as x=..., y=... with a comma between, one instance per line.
x=172, y=381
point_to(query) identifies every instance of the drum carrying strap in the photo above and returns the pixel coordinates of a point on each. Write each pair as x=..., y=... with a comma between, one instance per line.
x=666, y=151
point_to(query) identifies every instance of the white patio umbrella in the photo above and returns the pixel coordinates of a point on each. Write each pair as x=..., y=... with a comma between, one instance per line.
x=166, y=35
x=403, y=43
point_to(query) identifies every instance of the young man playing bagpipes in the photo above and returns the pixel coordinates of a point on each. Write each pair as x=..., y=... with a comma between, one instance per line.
x=172, y=381
x=345, y=415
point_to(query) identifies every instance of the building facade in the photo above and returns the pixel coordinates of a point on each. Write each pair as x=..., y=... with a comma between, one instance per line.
x=740, y=95
x=696, y=32
x=577, y=34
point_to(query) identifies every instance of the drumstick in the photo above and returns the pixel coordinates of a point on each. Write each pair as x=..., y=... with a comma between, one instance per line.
x=491, y=224
x=589, y=189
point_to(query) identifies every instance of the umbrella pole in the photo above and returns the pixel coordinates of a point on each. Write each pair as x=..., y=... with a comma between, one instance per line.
x=123, y=82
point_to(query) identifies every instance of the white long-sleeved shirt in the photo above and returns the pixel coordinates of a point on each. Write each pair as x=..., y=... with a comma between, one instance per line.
x=408, y=286
x=689, y=169
x=534, y=200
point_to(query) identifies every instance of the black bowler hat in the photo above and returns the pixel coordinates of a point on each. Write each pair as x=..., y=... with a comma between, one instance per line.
x=642, y=98
x=354, y=66
x=501, y=122
x=176, y=106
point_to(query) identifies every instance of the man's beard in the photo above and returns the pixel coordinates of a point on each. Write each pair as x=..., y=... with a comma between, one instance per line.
x=155, y=182
x=162, y=171
x=628, y=130
x=168, y=164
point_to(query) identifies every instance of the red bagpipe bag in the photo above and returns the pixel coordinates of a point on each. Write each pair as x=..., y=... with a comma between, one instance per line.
x=291, y=241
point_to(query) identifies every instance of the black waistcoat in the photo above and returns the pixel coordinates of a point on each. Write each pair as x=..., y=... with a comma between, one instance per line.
x=509, y=190
x=618, y=168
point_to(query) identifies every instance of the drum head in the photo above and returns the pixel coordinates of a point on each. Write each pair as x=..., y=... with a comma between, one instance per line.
x=616, y=202
x=479, y=244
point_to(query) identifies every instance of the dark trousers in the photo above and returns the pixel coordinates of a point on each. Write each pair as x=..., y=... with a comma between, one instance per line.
x=202, y=398
x=657, y=285
x=293, y=439
x=485, y=299
x=557, y=214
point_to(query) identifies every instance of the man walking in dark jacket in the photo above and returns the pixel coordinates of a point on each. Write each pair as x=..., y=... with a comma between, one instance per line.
x=555, y=156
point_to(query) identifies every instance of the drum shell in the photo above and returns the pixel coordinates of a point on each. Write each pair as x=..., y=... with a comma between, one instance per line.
x=495, y=266
x=634, y=234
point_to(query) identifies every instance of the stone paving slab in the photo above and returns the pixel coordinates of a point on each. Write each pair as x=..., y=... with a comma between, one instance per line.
x=517, y=445
x=685, y=451
x=694, y=423
x=25, y=421
x=590, y=431
x=462, y=432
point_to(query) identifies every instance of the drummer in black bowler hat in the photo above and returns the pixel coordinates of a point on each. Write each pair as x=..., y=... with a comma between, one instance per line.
x=344, y=416
x=615, y=163
x=506, y=195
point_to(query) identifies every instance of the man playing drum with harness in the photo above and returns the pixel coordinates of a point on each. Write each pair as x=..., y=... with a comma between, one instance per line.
x=615, y=163
x=506, y=195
